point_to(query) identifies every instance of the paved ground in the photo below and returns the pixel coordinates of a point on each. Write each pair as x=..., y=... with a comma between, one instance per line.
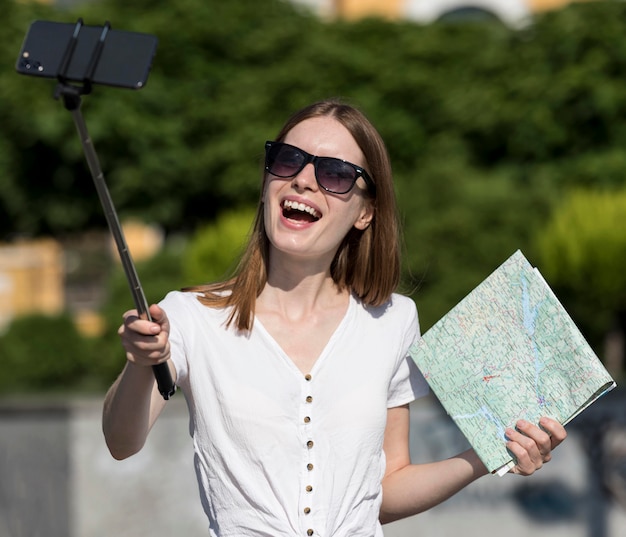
x=58, y=480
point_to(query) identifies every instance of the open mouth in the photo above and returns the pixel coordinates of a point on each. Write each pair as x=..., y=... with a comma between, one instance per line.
x=300, y=212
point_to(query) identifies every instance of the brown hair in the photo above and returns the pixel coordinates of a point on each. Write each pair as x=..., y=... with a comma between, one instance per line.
x=367, y=262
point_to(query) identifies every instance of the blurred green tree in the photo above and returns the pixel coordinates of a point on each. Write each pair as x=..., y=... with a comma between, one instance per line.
x=488, y=127
x=582, y=251
x=214, y=249
x=545, y=103
x=45, y=354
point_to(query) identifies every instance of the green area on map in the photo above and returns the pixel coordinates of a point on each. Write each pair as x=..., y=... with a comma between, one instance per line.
x=509, y=351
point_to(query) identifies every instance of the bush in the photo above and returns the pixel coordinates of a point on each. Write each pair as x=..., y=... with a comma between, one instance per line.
x=43, y=353
x=215, y=248
x=583, y=254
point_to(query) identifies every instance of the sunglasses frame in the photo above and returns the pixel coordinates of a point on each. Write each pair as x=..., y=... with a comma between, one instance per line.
x=312, y=159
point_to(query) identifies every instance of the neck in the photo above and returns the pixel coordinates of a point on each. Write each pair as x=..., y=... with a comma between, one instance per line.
x=298, y=289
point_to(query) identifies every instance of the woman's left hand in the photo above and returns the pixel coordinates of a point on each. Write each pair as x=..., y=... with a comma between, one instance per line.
x=532, y=445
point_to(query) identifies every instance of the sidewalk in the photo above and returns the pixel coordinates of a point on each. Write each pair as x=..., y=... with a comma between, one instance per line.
x=60, y=481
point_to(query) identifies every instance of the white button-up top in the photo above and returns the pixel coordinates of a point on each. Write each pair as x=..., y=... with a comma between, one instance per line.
x=279, y=453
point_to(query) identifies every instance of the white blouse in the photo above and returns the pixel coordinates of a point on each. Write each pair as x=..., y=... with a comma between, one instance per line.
x=279, y=453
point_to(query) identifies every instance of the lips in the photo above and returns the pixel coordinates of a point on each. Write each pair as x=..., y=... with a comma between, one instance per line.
x=294, y=210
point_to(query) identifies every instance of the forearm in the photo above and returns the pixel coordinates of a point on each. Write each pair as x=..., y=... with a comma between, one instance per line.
x=418, y=487
x=129, y=412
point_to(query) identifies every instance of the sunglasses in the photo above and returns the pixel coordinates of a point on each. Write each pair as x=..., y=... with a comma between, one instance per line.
x=332, y=174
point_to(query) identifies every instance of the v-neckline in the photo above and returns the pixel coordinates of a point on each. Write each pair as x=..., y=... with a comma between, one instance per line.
x=325, y=350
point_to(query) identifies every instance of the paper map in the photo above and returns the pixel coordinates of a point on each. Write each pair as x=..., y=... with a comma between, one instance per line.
x=509, y=351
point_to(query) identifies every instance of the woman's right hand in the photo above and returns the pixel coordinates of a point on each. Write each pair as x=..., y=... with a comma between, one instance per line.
x=146, y=342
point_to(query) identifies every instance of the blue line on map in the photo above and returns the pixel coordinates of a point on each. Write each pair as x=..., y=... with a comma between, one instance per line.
x=485, y=413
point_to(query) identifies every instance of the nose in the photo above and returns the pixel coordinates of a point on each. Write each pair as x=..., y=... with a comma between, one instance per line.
x=305, y=179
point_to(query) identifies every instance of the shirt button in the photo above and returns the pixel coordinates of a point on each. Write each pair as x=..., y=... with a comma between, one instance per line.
x=309, y=467
x=309, y=399
x=307, y=510
x=307, y=419
x=309, y=488
x=309, y=444
x=307, y=377
x=309, y=532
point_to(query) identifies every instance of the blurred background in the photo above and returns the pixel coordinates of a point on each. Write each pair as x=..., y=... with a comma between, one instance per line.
x=506, y=125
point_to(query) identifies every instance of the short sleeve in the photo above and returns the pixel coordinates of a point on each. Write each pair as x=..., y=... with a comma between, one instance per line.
x=173, y=305
x=407, y=383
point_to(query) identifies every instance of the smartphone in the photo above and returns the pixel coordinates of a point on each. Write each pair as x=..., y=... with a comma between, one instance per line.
x=125, y=60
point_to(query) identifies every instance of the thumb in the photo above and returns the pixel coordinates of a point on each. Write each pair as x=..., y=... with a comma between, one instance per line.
x=159, y=317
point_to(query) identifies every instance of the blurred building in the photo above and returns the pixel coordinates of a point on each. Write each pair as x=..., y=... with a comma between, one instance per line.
x=50, y=276
x=510, y=12
x=31, y=279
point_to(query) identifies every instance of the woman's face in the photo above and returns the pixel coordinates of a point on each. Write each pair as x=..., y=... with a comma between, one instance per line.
x=303, y=220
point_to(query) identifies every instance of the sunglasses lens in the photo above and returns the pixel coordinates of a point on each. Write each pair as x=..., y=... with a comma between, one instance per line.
x=284, y=160
x=335, y=176
x=332, y=174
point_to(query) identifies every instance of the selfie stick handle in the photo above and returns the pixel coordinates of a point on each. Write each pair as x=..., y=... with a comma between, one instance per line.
x=72, y=101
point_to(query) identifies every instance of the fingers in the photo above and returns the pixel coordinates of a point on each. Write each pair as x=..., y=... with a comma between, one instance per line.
x=532, y=445
x=556, y=431
x=159, y=317
x=146, y=342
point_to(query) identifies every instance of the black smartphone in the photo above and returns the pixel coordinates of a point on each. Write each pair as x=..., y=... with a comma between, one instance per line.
x=125, y=60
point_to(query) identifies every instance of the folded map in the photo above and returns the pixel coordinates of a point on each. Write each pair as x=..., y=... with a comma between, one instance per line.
x=508, y=351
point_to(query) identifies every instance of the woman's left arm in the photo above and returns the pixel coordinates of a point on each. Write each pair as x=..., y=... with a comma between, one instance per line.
x=409, y=489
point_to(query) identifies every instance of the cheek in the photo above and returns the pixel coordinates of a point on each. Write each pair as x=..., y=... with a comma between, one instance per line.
x=271, y=187
x=264, y=187
x=271, y=210
x=355, y=214
x=266, y=212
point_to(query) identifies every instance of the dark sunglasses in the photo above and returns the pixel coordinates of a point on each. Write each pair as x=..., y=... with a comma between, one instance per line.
x=332, y=174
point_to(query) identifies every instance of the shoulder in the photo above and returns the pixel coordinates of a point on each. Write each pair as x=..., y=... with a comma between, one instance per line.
x=402, y=302
x=175, y=300
x=186, y=305
x=397, y=306
x=398, y=316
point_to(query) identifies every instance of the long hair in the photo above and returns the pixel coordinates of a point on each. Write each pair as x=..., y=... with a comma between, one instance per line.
x=367, y=262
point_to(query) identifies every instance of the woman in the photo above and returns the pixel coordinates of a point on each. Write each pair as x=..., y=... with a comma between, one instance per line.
x=296, y=371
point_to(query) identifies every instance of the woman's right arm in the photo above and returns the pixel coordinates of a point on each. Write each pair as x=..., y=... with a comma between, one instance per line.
x=133, y=403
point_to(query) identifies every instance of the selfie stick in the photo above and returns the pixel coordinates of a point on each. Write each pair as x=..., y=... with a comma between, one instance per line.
x=71, y=95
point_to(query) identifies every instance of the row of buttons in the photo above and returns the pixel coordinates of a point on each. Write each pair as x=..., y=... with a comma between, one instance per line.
x=309, y=445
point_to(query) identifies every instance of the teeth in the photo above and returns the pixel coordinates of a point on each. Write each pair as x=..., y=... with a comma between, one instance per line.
x=295, y=206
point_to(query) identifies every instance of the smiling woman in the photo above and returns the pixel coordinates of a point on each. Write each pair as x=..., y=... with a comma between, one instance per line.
x=340, y=214
x=367, y=260
x=296, y=369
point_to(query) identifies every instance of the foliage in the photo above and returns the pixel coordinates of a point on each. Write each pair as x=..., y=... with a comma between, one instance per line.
x=460, y=228
x=545, y=102
x=215, y=247
x=583, y=254
x=33, y=173
x=488, y=128
x=44, y=353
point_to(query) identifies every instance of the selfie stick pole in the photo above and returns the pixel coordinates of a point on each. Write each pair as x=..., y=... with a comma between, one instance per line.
x=71, y=95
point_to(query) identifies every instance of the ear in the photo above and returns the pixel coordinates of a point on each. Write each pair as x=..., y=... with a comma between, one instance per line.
x=366, y=216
